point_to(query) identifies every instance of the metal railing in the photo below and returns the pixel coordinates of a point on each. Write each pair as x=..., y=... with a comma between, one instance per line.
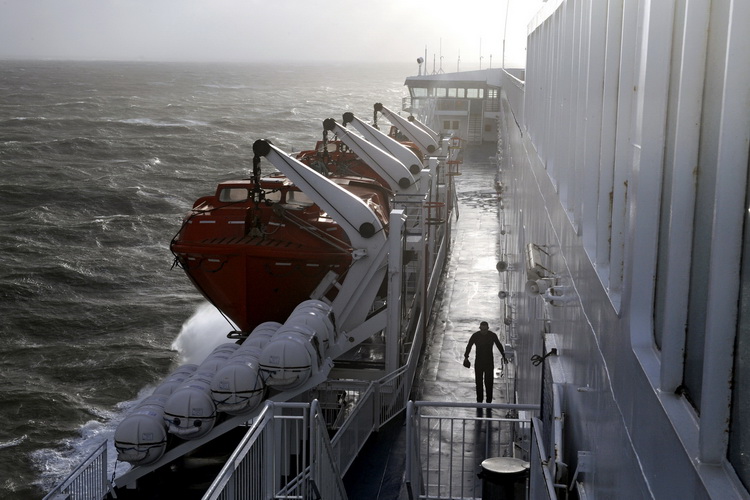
x=447, y=442
x=285, y=454
x=352, y=436
x=374, y=406
x=257, y=468
x=88, y=481
x=325, y=476
x=541, y=479
x=515, y=90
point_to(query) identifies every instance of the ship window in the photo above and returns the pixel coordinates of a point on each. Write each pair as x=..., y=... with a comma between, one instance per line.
x=233, y=194
x=455, y=125
x=697, y=310
x=419, y=92
x=441, y=92
x=739, y=438
x=472, y=93
x=447, y=125
x=452, y=92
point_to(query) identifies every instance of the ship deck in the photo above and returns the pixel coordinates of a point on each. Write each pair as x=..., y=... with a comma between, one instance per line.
x=468, y=295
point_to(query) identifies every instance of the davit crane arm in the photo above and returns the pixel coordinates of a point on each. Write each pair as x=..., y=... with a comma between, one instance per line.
x=398, y=177
x=424, y=141
x=386, y=143
x=435, y=135
x=366, y=234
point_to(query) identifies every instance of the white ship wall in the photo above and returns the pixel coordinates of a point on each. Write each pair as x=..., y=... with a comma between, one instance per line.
x=625, y=158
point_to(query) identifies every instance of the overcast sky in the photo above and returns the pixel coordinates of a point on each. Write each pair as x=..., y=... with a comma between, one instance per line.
x=263, y=30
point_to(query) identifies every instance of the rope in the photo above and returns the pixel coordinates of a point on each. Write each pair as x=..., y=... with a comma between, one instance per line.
x=537, y=360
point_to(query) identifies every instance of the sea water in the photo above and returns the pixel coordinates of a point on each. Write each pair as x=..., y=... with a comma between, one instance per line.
x=99, y=163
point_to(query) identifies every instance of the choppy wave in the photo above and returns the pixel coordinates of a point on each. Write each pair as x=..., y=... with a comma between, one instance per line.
x=151, y=122
x=13, y=442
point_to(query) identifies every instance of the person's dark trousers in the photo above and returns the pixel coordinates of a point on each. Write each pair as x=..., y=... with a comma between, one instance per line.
x=484, y=377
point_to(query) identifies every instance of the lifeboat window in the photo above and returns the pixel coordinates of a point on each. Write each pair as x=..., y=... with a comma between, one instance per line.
x=298, y=198
x=233, y=194
x=273, y=196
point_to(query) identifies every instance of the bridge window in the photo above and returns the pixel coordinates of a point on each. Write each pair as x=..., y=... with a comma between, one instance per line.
x=451, y=125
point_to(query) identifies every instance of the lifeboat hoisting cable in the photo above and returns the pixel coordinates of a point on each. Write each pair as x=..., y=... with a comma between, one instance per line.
x=312, y=230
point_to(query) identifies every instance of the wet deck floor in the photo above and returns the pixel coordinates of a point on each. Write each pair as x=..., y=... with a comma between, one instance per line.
x=469, y=295
x=470, y=287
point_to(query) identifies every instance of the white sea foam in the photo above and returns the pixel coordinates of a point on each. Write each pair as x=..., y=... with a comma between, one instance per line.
x=13, y=442
x=200, y=334
x=56, y=463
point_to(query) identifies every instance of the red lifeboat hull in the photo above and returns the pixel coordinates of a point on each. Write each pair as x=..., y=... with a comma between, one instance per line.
x=255, y=260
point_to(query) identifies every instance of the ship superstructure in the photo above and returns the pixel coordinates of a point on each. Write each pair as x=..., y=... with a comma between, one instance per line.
x=623, y=165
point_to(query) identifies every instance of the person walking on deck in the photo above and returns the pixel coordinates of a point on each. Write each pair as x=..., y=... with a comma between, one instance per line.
x=484, y=361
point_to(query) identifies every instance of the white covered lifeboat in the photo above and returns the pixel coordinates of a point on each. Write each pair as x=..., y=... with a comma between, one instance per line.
x=297, y=348
x=141, y=437
x=190, y=412
x=237, y=386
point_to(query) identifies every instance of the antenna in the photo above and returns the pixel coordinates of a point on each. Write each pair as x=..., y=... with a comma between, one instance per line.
x=505, y=30
x=480, y=53
x=441, y=57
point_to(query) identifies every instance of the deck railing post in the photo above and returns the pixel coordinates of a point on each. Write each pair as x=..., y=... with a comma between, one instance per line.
x=409, y=452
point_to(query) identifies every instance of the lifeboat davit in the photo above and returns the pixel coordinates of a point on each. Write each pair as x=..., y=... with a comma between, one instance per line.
x=258, y=247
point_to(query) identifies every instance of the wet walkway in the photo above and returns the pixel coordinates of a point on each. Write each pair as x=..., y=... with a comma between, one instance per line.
x=468, y=295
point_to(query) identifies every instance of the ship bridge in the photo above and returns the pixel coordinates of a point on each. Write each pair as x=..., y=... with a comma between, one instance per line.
x=465, y=104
